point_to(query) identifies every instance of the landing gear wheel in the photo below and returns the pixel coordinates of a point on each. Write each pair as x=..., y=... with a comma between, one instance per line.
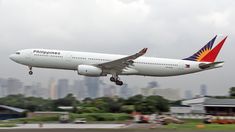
x=116, y=79
x=30, y=72
x=112, y=79
x=120, y=83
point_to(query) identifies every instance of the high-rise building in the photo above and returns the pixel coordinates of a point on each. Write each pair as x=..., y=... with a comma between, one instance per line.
x=28, y=91
x=62, y=88
x=14, y=86
x=79, y=89
x=39, y=91
x=110, y=91
x=1, y=92
x=146, y=91
x=52, y=89
x=153, y=84
x=35, y=90
x=125, y=91
x=3, y=87
x=92, y=85
x=203, y=90
x=167, y=93
x=188, y=94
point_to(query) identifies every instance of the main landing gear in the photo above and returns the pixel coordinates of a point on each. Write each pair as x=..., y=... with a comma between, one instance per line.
x=116, y=80
x=30, y=70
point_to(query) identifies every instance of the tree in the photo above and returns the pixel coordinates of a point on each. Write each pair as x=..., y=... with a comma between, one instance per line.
x=145, y=107
x=176, y=103
x=107, y=104
x=232, y=91
x=127, y=108
x=29, y=103
x=69, y=100
x=134, y=100
x=152, y=104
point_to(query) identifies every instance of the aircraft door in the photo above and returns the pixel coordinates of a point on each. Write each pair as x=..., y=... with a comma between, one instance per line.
x=68, y=57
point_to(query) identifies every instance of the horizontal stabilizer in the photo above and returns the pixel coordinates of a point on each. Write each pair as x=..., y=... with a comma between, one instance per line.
x=211, y=65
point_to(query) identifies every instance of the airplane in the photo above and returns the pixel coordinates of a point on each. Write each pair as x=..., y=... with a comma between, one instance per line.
x=100, y=64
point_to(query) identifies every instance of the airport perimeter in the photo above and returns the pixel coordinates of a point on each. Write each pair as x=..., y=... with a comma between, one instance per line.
x=114, y=128
x=105, y=130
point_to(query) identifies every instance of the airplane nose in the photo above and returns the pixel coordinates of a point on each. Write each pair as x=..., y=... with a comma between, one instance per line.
x=12, y=57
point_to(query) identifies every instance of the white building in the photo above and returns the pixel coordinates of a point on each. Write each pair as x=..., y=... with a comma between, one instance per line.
x=200, y=107
x=196, y=104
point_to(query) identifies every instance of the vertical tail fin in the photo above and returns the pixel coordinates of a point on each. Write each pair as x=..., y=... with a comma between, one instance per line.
x=198, y=56
x=211, y=56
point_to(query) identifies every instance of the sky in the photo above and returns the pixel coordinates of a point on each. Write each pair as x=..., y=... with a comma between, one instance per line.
x=169, y=28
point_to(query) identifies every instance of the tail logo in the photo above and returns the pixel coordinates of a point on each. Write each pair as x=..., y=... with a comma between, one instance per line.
x=202, y=53
x=207, y=54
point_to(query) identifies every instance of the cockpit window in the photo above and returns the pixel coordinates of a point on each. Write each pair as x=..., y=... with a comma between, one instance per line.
x=17, y=53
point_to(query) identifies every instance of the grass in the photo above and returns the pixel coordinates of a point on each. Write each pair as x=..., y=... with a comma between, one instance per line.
x=192, y=125
x=88, y=116
x=112, y=117
x=32, y=120
x=7, y=125
x=102, y=116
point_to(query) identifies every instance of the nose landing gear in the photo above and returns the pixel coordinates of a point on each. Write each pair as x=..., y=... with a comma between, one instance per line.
x=30, y=70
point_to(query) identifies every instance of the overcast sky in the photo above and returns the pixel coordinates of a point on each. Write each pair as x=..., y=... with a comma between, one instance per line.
x=169, y=28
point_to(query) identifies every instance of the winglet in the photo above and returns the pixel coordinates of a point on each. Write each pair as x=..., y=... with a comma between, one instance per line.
x=143, y=51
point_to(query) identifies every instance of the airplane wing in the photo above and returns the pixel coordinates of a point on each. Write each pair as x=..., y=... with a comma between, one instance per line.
x=122, y=63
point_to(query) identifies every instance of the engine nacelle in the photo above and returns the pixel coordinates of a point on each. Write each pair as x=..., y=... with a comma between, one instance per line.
x=88, y=70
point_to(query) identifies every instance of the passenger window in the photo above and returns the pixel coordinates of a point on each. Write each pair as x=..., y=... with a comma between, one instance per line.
x=17, y=53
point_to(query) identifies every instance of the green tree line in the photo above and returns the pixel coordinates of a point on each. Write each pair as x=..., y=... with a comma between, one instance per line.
x=137, y=103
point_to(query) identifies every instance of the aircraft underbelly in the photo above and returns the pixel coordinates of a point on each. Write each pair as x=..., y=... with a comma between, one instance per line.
x=51, y=63
x=164, y=70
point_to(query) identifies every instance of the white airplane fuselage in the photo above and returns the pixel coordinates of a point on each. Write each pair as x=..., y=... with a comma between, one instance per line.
x=70, y=60
x=99, y=64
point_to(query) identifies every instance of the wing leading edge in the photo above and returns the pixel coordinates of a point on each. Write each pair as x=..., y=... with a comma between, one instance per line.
x=122, y=63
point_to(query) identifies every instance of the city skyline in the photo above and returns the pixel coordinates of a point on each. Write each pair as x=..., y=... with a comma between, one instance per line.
x=92, y=87
x=174, y=29
x=60, y=88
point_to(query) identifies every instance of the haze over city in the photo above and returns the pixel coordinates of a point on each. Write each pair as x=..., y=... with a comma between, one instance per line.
x=175, y=30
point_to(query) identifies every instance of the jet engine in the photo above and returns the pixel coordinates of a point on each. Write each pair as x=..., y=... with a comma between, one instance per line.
x=88, y=70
